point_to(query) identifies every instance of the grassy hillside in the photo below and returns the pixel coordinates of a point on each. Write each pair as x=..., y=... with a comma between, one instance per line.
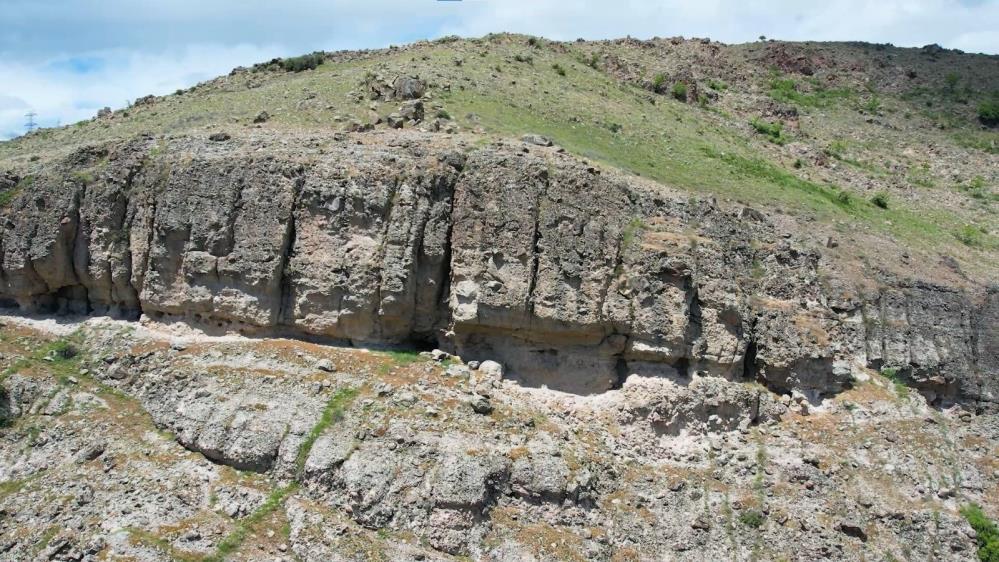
x=880, y=146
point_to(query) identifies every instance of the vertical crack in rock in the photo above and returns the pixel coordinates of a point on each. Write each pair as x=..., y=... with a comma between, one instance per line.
x=382, y=252
x=227, y=245
x=750, y=369
x=285, y=306
x=616, y=272
x=694, y=327
x=77, y=238
x=444, y=290
x=536, y=242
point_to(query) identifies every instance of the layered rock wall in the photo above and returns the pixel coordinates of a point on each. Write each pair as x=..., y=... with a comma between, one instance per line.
x=573, y=279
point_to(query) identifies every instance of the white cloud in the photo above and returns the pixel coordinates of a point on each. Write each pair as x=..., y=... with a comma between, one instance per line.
x=60, y=95
x=151, y=46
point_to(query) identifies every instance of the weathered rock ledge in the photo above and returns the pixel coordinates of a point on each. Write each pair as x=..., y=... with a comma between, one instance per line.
x=573, y=279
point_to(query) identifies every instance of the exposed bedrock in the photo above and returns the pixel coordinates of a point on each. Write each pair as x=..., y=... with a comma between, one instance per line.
x=572, y=279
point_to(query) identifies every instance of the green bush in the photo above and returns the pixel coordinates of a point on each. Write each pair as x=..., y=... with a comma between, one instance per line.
x=873, y=105
x=773, y=131
x=988, y=533
x=717, y=85
x=679, y=91
x=559, y=69
x=988, y=112
x=970, y=235
x=304, y=62
x=950, y=82
x=659, y=82
x=880, y=200
x=751, y=518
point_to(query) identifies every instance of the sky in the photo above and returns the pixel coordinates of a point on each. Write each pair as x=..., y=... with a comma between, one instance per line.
x=65, y=59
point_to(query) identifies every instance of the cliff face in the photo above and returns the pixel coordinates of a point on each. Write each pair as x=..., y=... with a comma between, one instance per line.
x=571, y=278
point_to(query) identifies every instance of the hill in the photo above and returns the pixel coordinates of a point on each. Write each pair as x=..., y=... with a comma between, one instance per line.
x=511, y=299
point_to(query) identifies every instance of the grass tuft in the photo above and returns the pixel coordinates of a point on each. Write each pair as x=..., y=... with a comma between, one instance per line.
x=333, y=412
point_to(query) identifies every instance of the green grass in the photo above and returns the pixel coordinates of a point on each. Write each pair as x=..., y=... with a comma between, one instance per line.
x=400, y=358
x=231, y=543
x=788, y=91
x=83, y=176
x=773, y=131
x=8, y=196
x=988, y=533
x=985, y=141
x=11, y=487
x=760, y=169
x=893, y=375
x=971, y=235
x=45, y=539
x=632, y=232
x=333, y=412
x=151, y=540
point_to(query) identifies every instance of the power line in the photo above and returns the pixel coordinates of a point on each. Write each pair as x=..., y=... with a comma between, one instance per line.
x=30, y=124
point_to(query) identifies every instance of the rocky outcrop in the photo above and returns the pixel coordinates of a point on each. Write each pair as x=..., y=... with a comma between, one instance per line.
x=573, y=279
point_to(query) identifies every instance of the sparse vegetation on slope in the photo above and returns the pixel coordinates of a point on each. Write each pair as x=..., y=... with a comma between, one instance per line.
x=593, y=101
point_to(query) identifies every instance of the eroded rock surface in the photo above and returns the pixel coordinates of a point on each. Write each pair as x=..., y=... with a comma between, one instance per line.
x=571, y=278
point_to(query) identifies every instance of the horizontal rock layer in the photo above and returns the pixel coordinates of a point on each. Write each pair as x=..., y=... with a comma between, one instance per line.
x=573, y=279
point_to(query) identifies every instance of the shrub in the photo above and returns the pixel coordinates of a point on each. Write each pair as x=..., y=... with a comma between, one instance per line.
x=524, y=58
x=659, y=82
x=880, y=200
x=988, y=533
x=751, y=518
x=988, y=112
x=843, y=197
x=950, y=82
x=679, y=91
x=304, y=62
x=773, y=131
x=559, y=69
x=717, y=85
